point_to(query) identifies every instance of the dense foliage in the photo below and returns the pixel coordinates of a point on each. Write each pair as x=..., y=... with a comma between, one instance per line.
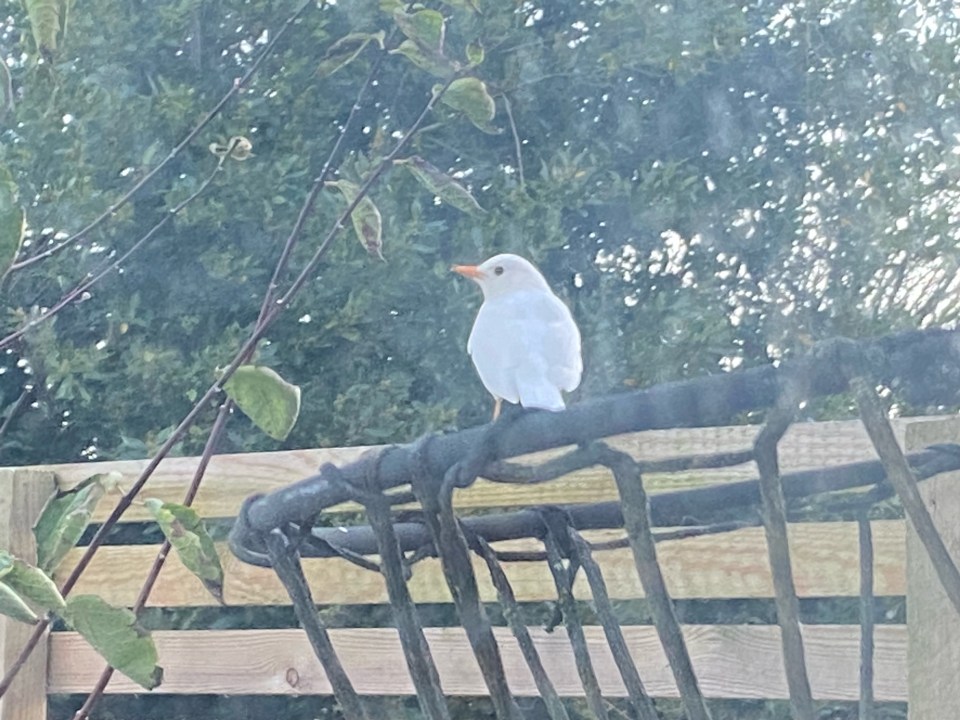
x=708, y=184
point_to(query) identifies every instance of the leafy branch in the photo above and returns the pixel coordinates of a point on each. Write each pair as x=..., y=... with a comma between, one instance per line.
x=235, y=88
x=269, y=313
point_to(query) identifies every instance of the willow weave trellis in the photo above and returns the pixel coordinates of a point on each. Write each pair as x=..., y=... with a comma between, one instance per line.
x=277, y=529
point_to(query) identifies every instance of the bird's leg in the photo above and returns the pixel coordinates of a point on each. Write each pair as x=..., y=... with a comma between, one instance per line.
x=497, y=404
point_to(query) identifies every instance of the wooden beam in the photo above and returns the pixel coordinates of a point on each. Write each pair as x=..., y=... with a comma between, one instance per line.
x=715, y=566
x=232, y=478
x=22, y=495
x=932, y=621
x=731, y=661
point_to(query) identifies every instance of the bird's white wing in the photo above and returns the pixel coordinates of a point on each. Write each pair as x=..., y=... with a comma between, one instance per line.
x=561, y=344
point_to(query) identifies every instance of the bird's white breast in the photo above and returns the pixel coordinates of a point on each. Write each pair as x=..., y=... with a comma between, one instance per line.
x=526, y=344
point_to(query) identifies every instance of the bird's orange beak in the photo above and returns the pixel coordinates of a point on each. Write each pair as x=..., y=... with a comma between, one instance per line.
x=470, y=271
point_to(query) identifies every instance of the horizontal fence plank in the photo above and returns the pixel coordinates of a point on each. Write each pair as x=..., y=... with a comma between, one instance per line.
x=728, y=565
x=731, y=661
x=232, y=478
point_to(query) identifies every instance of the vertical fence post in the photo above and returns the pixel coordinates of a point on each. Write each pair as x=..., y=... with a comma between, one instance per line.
x=933, y=626
x=22, y=495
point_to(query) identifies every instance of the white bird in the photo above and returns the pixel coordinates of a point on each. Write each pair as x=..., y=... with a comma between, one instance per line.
x=524, y=343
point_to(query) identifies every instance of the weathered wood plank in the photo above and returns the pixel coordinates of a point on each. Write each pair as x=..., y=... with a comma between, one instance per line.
x=933, y=623
x=716, y=566
x=231, y=478
x=731, y=661
x=22, y=495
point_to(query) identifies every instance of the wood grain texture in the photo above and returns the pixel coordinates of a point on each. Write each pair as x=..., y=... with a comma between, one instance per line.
x=22, y=495
x=715, y=566
x=231, y=478
x=731, y=661
x=933, y=624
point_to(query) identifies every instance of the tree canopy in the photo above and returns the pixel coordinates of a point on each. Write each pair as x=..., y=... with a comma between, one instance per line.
x=709, y=185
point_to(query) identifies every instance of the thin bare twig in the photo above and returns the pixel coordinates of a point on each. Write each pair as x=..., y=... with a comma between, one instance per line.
x=17, y=406
x=318, y=182
x=235, y=88
x=93, y=279
x=516, y=138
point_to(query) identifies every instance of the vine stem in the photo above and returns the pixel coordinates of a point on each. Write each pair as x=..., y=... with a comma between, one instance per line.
x=227, y=407
x=161, y=558
x=248, y=347
x=190, y=137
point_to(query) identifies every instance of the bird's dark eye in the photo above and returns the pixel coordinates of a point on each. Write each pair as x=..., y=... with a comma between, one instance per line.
x=498, y=270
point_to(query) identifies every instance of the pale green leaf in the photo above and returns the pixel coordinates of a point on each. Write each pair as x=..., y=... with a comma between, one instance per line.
x=345, y=50
x=12, y=605
x=475, y=53
x=189, y=537
x=65, y=517
x=12, y=219
x=442, y=185
x=267, y=399
x=33, y=585
x=469, y=95
x=425, y=27
x=113, y=632
x=433, y=62
x=367, y=222
x=6, y=562
x=44, y=16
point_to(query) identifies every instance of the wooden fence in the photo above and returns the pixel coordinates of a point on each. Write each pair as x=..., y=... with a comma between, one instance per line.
x=731, y=661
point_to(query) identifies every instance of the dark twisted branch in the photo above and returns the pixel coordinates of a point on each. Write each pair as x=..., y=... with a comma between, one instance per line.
x=774, y=514
x=636, y=521
x=511, y=611
x=924, y=364
x=642, y=704
x=691, y=507
x=286, y=562
x=454, y=554
x=557, y=544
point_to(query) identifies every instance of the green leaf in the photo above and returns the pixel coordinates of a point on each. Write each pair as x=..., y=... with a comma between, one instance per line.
x=434, y=63
x=31, y=584
x=114, y=633
x=12, y=219
x=267, y=399
x=65, y=516
x=189, y=537
x=442, y=185
x=475, y=53
x=425, y=27
x=345, y=50
x=367, y=223
x=44, y=18
x=12, y=605
x=469, y=95
x=6, y=563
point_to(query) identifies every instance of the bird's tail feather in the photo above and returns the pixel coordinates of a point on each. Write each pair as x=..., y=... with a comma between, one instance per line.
x=541, y=395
